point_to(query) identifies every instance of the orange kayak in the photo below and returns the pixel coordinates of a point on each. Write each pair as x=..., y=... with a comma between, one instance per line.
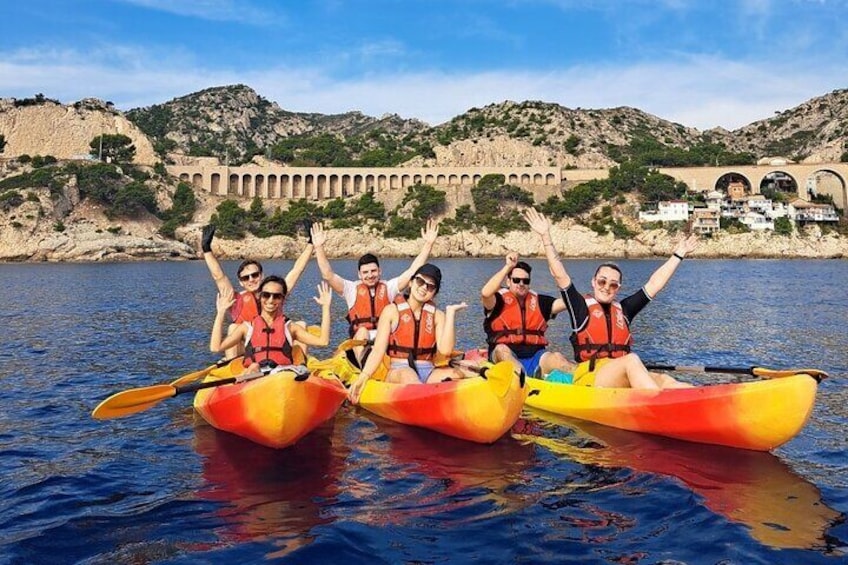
x=275, y=410
x=475, y=409
x=758, y=415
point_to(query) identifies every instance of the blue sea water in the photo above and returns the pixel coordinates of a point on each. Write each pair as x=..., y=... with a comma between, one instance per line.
x=163, y=487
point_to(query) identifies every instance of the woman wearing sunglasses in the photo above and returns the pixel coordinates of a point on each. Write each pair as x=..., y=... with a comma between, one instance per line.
x=601, y=323
x=245, y=305
x=269, y=338
x=411, y=330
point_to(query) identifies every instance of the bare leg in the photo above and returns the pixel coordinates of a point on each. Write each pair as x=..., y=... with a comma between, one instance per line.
x=627, y=371
x=440, y=374
x=553, y=360
x=504, y=353
x=667, y=381
x=405, y=376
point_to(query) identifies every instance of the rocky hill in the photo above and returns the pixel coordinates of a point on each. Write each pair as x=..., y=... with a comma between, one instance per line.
x=40, y=126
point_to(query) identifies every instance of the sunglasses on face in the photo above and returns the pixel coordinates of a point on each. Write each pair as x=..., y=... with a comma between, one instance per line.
x=431, y=287
x=271, y=295
x=612, y=285
x=248, y=276
x=520, y=280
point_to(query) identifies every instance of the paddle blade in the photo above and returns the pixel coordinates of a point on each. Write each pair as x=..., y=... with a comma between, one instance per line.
x=779, y=373
x=500, y=376
x=132, y=401
x=195, y=376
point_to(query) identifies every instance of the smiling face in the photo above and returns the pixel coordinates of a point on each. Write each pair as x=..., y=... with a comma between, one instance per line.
x=271, y=297
x=250, y=276
x=423, y=288
x=369, y=274
x=606, y=283
x=518, y=282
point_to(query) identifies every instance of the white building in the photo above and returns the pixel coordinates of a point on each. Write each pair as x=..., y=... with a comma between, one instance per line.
x=757, y=222
x=670, y=211
x=803, y=212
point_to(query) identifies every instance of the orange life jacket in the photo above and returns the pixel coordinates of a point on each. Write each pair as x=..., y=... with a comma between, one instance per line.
x=517, y=323
x=602, y=336
x=413, y=339
x=367, y=308
x=269, y=343
x=249, y=308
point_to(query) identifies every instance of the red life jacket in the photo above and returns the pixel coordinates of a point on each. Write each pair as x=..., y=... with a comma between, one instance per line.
x=367, y=308
x=269, y=343
x=413, y=339
x=603, y=336
x=249, y=308
x=517, y=322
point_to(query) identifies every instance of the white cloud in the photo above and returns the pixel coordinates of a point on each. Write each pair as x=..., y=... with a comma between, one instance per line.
x=214, y=10
x=700, y=92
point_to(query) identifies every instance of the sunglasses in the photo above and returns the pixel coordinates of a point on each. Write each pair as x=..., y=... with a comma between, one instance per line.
x=520, y=280
x=612, y=285
x=271, y=295
x=431, y=287
x=248, y=276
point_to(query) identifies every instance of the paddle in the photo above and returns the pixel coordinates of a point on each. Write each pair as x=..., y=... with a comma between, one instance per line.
x=500, y=374
x=139, y=399
x=754, y=371
x=197, y=375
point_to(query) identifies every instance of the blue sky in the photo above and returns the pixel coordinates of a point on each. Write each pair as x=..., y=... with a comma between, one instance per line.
x=700, y=63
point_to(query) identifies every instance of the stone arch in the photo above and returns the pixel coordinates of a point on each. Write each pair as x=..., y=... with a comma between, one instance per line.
x=272, y=187
x=733, y=183
x=780, y=181
x=234, y=184
x=215, y=183
x=259, y=186
x=184, y=177
x=827, y=181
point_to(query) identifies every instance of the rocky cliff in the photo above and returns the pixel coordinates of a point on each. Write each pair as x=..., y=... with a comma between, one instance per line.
x=65, y=131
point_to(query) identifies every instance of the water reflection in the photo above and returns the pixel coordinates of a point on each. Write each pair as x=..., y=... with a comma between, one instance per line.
x=274, y=496
x=423, y=473
x=756, y=489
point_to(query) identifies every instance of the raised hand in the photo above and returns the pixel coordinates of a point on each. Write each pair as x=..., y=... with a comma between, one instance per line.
x=537, y=221
x=225, y=299
x=316, y=234
x=206, y=238
x=325, y=297
x=687, y=245
x=453, y=308
x=511, y=259
x=430, y=231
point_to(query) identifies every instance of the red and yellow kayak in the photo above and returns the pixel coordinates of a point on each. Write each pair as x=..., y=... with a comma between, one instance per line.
x=475, y=409
x=757, y=415
x=275, y=410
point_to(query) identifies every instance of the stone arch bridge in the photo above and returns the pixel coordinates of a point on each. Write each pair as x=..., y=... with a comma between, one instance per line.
x=330, y=182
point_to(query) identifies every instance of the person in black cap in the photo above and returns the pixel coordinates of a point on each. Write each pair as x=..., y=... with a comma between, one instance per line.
x=367, y=297
x=411, y=331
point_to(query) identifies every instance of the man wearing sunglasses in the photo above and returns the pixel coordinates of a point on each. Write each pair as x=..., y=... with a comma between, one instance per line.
x=601, y=324
x=516, y=320
x=246, y=302
x=366, y=297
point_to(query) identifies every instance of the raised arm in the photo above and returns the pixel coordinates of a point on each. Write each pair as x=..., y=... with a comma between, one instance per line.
x=221, y=281
x=299, y=266
x=542, y=226
x=216, y=343
x=378, y=351
x=446, y=339
x=301, y=334
x=663, y=274
x=428, y=234
x=319, y=238
x=490, y=289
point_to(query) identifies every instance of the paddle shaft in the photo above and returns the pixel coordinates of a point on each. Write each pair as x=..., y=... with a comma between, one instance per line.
x=817, y=374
